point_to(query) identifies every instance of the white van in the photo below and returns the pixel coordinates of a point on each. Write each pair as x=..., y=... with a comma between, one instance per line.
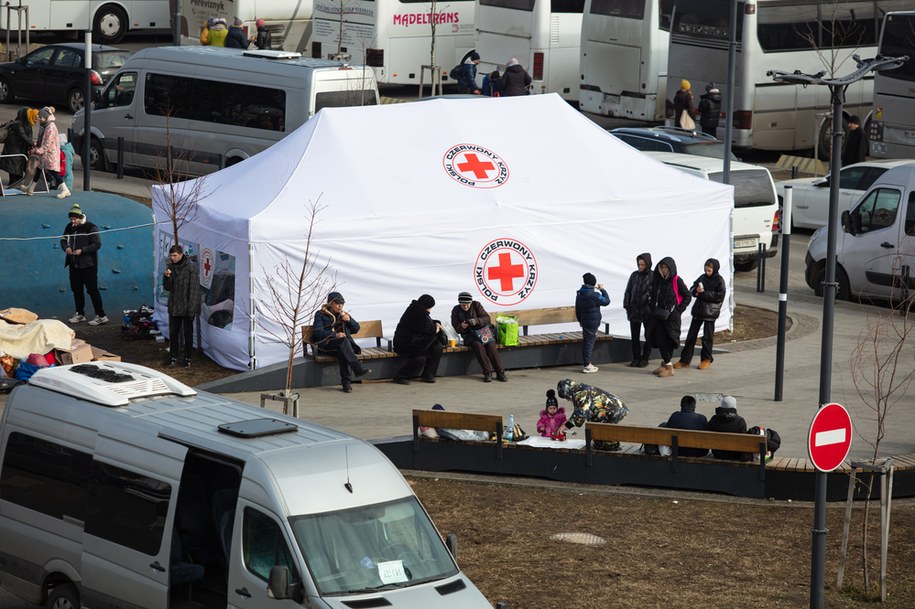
x=756, y=211
x=875, y=248
x=213, y=106
x=121, y=487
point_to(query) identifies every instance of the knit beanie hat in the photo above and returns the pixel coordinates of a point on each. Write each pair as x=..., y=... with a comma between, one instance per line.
x=728, y=403
x=513, y=62
x=75, y=211
x=46, y=112
x=211, y=21
x=237, y=22
x=684, y=84
x=474, y=56
x=551, y=399
x=260, y=23
x=465, y=298
x=589, y=279
x=425, y=301
x=335, y=297
x=32, y=114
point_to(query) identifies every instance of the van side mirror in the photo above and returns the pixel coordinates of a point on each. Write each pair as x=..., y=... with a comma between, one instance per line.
x=96, y=95
x=278, y=584
x=846, y=223
x=451, y=544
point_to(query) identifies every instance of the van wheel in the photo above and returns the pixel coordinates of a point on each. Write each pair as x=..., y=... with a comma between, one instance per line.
x=96, y=156
x=110, y=24
x=75, y=100
x=63, y=596
x=843, y=290
x=748, y=265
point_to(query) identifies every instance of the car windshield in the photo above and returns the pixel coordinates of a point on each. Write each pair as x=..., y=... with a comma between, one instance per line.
x=371, y=548
x=104, y=60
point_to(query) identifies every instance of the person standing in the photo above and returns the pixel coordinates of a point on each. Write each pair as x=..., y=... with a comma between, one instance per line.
x=182, y=282
x=516, y=81
x=636, y=302
x=81, y=243
x=332, y=333
x=591, y=296
x=683, y=106
x=18, y=141
x=710, y=110
x=235, y=38
x=467, y=83
x=855, y=143
x=217, y=33
x=709, y=291
x=205, y=32
x=262, y=40
x=472, y=322
x=669, y=298
x=66, y=149
x=47, y=153
x=418, y=338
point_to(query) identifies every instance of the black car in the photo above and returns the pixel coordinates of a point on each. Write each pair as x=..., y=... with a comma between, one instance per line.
x=56, y=74
x=672, y=139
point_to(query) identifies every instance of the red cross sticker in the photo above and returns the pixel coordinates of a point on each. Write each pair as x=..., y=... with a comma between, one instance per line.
x=479, y=168
x=207, y=267
x=505, y=272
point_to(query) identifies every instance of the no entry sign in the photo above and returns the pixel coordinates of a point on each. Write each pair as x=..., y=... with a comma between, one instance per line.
x=829, y=438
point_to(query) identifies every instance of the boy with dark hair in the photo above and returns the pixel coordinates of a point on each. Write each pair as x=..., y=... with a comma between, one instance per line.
x=591, y=296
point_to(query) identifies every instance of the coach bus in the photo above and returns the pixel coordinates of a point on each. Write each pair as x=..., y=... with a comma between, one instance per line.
x=892, y=127
x=394, y=37
x=811, y=36
x=624, y=58
x=544, y=35
x=109, y=20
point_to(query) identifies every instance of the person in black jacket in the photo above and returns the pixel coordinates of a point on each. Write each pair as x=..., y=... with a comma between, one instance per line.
x=182, y=282
x=515, y=81
x=709, y=291
x=18, y=142
x=589, y=298
x=636, y=302
x=688, y=418
x=710, y=110
x=263, y=39
x=468, y=318
x=332, y=332
x=855, y=143
x=418, y=338
x=669, y=298
x=81, y=243
x=235, y=39
x=726, y=419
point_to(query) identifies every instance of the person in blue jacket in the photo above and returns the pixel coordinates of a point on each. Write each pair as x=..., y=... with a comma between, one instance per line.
x=468, y=81
x=332, y=334
x=588, y=301
x=688, y=418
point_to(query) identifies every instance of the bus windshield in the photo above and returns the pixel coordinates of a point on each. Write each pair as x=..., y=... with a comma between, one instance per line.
x=705, y=18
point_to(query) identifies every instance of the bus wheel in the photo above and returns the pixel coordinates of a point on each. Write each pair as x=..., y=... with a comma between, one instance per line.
x=63, y=596
x=825, y=137
x=110, y=24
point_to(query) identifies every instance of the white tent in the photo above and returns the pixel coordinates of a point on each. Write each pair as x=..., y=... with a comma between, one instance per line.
x=511, y=199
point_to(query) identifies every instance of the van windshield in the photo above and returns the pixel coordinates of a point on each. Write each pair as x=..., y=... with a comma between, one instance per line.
x=370, y=548
x=752, y=188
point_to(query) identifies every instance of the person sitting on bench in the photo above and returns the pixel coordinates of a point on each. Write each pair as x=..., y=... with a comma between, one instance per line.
x=688, y=418
x=727, y=420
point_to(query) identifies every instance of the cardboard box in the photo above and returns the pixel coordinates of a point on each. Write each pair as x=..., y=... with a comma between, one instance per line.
x=79, y=352
x=100, y=355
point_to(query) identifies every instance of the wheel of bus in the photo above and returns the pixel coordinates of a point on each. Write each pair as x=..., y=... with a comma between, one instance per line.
x=843, y=290
x=97, y=160
x=75, y=99
x=6, y=91
x=110, y=24
x=63, y=596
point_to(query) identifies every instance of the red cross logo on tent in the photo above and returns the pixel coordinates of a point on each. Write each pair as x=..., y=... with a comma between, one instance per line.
x=206, y=267
x=505, y=272
x=475, y=166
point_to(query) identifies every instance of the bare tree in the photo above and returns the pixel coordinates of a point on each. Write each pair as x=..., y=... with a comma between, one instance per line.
x=295, y=291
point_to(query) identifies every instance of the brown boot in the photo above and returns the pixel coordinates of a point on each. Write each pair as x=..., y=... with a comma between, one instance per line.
x=679, y=365
x=658, y=369
x=667, y=371
x=705, y=364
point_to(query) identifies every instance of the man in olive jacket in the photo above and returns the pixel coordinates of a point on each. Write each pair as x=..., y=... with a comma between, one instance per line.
x=182, y=282
x=81, y=243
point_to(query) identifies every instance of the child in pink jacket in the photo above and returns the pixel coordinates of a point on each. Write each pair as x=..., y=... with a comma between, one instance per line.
x=552, y=418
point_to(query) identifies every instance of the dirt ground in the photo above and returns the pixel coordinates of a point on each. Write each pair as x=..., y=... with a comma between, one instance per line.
x=661, y=549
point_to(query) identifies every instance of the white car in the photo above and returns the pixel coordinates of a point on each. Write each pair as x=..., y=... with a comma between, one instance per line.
x=810, y=197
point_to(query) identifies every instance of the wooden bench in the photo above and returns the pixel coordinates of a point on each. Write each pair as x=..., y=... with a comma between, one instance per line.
x=490, y=423
x=367, y=329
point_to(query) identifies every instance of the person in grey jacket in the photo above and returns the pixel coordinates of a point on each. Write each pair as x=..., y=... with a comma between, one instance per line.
x=636, y=302
x=182, y=282
x=591, y=296
x=515, y=81
x=81, y=243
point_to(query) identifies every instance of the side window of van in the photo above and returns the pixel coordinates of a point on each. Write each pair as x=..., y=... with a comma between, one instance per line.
x=878, y=210
x=263, y=546
x=45, y=476
x=910, y=216
x=121, y=91
x=127, y=508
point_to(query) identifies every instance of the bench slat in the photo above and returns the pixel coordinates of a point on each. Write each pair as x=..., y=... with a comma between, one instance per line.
x=686, y=438
x=458, y=420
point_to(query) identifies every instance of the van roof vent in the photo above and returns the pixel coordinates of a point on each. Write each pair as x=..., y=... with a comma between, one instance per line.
x=255, y=428
x=109, y=383
x=271, y=54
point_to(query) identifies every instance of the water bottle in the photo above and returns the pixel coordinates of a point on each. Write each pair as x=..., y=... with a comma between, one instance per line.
x=509, y=433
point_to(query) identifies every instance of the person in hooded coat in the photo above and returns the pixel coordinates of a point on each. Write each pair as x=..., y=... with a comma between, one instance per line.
x=592, y=405
x=636, y=302
x=709, y=291
x=855, y=143
x=418, y=338
x=688, y=418
x=515, y=81
x=683, y=100
x=669, y=298
x=467, y=83
x=710, y=110
x=18, y=141
x=235, y=37
x=727, y=420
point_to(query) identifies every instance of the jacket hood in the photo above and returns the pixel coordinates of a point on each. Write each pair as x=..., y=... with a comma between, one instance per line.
x=715, y=265
x=560, y=410
x=647, y=258
x=566, y=387
x=670, y=264
x=514, y=68
x=726, y=413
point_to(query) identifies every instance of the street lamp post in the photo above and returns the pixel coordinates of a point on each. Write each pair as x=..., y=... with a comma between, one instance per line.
x=837, y=87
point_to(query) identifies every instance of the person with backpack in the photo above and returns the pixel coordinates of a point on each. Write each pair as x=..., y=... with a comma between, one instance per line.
x=516, y=81
x=467, y=83
x=668, y=299
x=492, y=85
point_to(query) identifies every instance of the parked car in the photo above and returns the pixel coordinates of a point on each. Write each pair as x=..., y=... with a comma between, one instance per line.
x=56, y=74
x=810, y=196
x=671, y=139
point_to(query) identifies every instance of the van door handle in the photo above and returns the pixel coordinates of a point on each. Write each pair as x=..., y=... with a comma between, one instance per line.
x=243, y=592
x=157, y=567
x=128, y=116
x=887, y=245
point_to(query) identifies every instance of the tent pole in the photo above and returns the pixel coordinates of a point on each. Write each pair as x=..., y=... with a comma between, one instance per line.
x=252, y=359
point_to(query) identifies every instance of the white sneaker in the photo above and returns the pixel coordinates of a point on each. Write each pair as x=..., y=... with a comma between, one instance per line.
x=77, y=318
x=64, y=192
x=589, y=369
x=99, y=320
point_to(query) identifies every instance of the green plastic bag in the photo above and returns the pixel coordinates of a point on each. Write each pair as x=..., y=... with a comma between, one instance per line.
x=508, y=330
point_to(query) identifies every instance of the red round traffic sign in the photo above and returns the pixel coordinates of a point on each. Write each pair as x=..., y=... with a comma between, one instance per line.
x=830, y=437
